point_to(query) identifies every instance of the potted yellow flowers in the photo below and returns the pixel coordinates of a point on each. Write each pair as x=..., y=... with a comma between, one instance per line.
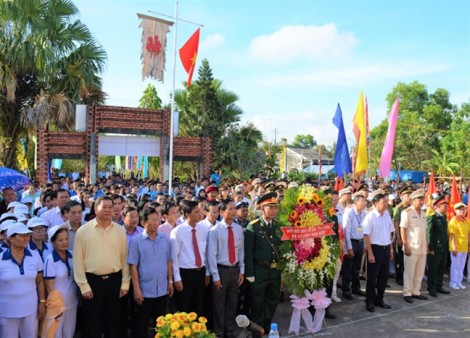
x=182, y=324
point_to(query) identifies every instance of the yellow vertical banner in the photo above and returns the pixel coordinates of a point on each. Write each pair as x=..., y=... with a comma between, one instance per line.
x=282, y=161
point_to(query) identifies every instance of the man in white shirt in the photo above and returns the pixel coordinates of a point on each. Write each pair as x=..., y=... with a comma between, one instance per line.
x=378, y=228
x=54, y=216
x=188, y=244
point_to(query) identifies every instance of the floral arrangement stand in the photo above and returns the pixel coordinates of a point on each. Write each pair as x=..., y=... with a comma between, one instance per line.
x=309, y=253
x=182, y=324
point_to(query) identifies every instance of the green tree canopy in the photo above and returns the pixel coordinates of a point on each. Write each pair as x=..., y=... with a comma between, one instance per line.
x=150, y=98
x=49, y=61
x=304, y=141
x=426, y=128
x=208, y=110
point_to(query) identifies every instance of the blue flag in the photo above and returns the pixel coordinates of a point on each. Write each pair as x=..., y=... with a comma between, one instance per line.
x=342, y=160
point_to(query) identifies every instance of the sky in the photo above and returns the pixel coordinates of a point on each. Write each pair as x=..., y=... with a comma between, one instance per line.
x=292, y=61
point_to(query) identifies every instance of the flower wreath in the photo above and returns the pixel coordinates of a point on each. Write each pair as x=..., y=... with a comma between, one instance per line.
x=309, y=252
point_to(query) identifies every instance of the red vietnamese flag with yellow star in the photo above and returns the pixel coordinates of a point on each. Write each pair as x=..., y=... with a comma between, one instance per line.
x=188, y=55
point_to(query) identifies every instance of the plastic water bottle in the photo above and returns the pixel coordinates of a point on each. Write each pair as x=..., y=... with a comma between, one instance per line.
x=274, y=333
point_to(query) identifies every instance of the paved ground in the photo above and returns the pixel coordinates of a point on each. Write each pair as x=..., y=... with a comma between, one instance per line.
x=444, y=316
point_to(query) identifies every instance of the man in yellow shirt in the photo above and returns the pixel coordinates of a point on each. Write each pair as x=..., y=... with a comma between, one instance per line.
x=101, y=270
x=459, y=233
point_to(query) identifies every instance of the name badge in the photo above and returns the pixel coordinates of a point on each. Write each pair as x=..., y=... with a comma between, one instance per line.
x=359, y=229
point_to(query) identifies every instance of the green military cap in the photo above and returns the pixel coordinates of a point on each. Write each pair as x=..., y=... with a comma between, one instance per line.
x=268, y=199
x=406, y=190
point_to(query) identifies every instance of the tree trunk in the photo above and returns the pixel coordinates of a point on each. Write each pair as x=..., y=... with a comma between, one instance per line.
x=10, y=129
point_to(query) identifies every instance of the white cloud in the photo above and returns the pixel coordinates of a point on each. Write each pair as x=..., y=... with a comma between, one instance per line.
x=212, y=41
x=296, y=42
x=352, y=77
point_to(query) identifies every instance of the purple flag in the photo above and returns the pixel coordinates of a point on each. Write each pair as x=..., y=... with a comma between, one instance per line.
x=387, y=152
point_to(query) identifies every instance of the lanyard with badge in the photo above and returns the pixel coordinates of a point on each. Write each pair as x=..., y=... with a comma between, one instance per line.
x=359, y=220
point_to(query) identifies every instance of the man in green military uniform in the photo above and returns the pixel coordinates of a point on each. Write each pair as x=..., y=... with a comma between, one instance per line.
x=397, y=242
x=437, y=246
x=261, y=262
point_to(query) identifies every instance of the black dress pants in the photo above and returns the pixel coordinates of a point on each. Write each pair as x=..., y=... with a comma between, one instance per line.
x=351, y=267
x=151, y=308
x=191, y=298
x=105, y=305
x=377, y=274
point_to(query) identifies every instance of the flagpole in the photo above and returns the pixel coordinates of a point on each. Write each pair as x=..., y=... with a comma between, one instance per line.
x=170, y=165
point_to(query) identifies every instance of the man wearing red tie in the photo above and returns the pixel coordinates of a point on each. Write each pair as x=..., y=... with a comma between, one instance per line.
x=225, y=258
x=188, y=244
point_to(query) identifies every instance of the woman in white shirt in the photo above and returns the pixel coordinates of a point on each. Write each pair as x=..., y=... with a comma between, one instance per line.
x=22, y=293
x=58, y=274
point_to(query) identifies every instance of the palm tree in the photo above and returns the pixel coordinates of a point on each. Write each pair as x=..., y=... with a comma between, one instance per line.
x=48, y=62
x=445, y=163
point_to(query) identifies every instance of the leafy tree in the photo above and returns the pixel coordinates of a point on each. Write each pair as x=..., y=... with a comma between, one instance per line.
x=423, y=119
x=304, y=141
x=208, y=110
x=48, y=62
x=455, y=141
x=272, y=152
x=238, y=150
x=150, y=98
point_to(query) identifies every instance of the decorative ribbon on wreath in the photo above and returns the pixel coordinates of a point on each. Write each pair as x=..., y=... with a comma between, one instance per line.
x=300, y=306
x=320, y=301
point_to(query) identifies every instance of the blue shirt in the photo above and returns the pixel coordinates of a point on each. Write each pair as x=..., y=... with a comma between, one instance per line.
x=151, y=258
x=352, y=226
x=138, y=230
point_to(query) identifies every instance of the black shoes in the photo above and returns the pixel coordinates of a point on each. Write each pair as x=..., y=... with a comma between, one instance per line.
x=347, y=295
x=370, y=307
x=432, y=293
x=442, y=290
x=329, y=315
x=383, y=305
x=359, y=293
x=420, y=297
x=408, y=299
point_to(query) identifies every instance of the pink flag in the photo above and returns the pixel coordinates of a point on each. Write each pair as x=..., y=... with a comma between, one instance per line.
x=387, y=152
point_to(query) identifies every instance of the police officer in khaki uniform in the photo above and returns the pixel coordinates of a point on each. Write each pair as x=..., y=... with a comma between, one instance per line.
x=438, y=246
x=413, y=235
x=261, y=261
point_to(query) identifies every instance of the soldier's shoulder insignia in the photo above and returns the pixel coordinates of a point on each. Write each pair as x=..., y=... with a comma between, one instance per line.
x=255, y=221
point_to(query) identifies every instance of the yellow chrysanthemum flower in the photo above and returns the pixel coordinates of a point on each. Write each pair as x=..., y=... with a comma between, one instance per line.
x=187, y=332
x=196, y=327
x=169, y=316
x=175, y=325
x=192, y=316
x=179, y=334
x=202, y=320
x=160, y=321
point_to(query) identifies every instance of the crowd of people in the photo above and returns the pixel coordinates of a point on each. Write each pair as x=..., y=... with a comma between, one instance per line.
x=113, y=256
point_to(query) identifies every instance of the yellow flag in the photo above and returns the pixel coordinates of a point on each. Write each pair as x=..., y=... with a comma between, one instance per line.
x=359, y=129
